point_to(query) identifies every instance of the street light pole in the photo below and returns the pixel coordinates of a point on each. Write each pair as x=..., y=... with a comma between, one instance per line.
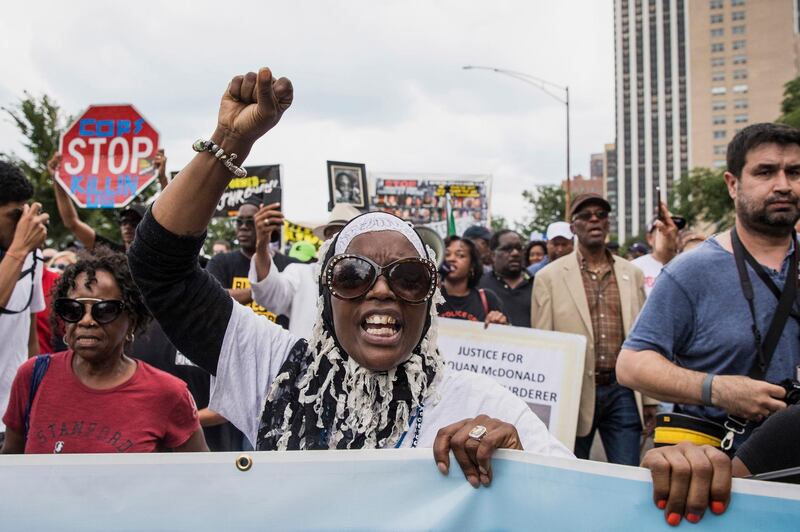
x=542, y=85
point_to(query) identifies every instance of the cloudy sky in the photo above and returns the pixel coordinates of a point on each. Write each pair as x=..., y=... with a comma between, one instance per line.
x=378, y=82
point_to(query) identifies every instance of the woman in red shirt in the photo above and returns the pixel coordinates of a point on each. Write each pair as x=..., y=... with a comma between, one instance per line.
x=93, y=398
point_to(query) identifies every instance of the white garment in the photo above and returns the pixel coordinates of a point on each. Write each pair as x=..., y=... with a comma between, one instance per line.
x=15, y=328
x=254, y=350
x=292, y=292
x=651, y=268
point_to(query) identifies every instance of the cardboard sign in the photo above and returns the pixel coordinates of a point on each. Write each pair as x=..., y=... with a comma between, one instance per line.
x=264, y=181
x=107, y=156
x=543, y=368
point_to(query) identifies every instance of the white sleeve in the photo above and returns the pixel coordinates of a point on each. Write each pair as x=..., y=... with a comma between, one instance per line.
x=37, y=302
x=252, y=353
x=277, y=289
x=535, y=437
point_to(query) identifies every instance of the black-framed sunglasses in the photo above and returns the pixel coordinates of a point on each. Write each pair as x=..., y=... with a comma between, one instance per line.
x=351, y=276
x=585, y=216
x=248, y=221
x=103, y=310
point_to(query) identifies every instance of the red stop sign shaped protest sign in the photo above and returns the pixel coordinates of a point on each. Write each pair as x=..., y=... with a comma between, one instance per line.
x=107, y=156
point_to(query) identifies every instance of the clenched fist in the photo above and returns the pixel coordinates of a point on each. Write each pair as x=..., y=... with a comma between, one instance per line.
x=253, y=104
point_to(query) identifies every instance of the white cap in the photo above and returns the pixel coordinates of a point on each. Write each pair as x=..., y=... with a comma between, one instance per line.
x=559, y=229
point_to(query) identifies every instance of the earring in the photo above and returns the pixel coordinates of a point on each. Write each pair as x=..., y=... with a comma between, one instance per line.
x=129, y=337
x=64, y=338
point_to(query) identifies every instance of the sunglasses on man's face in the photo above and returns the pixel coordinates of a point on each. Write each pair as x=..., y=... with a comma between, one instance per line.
x=351, y=276
x=585, y=216
x=102, y=310
x=247, y=221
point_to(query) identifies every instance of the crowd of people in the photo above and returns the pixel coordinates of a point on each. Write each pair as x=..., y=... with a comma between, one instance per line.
x=113, y=348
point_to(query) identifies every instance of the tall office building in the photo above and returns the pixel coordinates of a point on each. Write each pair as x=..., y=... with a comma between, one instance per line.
x=689, y=75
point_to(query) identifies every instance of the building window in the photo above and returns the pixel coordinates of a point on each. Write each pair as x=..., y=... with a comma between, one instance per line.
x=719, y=134
x=739, y=88
x=718, y=106
x=717, y=61
x=717, y=47
x=717, y=32
x=720, y=149
x=740, y=104
x=738, y=30
x=717, y=90
x=718, y=76
x=719, y=120
x=740, y=74
x=737, y=15
x=740, y=119
x=739, y=59
x=719, y=163
x=737, y=2
x=716, y=19
x=716, y=4
x=738, y=45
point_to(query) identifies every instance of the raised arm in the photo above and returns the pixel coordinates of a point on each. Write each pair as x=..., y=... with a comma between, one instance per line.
x=251, y=106
x=66, y=209
x=190, y=305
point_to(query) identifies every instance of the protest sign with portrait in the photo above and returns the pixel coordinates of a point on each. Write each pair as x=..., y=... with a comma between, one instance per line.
x=347, y=183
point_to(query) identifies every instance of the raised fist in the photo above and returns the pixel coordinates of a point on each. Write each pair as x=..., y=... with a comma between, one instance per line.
x=253, y=104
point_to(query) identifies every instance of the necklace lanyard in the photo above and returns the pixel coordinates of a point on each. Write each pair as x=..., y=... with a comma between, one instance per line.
x=418, y=417
x=786, y=300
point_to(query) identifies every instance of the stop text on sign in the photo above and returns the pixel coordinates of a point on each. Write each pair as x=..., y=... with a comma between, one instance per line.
x=108, y=156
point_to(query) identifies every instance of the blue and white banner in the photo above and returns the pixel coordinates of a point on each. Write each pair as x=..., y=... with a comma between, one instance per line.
x=353, y=490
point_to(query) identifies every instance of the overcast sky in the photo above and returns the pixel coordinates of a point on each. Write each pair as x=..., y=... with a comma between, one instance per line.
x=375, y=82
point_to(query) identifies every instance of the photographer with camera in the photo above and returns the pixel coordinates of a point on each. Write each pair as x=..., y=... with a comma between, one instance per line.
x=722, y=326
x=23, y=228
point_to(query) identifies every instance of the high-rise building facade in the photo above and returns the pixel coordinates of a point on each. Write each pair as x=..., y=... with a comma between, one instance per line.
x=651, y=106
x=742, y=53
x=689, y=75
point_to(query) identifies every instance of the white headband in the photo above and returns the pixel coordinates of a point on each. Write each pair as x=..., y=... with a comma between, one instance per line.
x=377, y=221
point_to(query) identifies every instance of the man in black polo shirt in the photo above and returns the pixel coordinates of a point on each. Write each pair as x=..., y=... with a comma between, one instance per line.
x=508, y=278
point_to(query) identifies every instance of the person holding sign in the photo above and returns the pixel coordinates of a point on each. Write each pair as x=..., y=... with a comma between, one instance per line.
x=462, y=301
x=371, y=375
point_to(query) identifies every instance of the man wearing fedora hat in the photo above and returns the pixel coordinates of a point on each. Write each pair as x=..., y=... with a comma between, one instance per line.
x=294, y=290
x=593, y=293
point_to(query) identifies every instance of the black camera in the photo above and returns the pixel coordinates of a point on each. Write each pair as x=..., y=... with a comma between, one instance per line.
x=792, y=388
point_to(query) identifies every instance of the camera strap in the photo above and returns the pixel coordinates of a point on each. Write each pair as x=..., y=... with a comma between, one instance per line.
x=786, y=299
x=32, y=272
x=764, y=350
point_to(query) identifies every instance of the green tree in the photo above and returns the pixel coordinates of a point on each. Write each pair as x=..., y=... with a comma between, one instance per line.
x=546, y=204
x=41, y=122
x=702, y=196
x=790, y=107
x=498, y=223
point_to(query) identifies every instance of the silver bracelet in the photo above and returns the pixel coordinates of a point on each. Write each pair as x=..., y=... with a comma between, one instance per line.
x=706, y=394
x=201, y=145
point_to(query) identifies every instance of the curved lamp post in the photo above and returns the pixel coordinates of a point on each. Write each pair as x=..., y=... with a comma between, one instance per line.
x=546, y=87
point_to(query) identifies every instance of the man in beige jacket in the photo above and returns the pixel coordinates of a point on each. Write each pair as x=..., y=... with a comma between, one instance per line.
x=593, y=293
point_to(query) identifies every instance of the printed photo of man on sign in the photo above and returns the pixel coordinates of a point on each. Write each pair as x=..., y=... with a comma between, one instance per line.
x=107, y=156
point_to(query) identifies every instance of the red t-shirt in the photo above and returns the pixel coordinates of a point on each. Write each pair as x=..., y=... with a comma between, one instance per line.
x=43, y=330
x=150, y=411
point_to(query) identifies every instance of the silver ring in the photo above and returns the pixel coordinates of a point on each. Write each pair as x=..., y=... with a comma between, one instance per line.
x=477, y=433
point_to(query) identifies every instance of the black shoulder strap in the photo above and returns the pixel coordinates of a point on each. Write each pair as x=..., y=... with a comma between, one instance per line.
x=32, y=272
x=39, y=370
x=786, y=300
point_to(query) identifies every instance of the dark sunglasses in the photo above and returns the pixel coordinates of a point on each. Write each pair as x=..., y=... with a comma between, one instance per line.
x=351, y=276
x=585, y=216
x=248, y=221
x=103, y=310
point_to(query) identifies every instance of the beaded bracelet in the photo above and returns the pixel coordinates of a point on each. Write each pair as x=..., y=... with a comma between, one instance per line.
x=227, y=160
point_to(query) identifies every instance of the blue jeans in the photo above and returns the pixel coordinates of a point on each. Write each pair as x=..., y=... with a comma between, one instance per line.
x=617, y=418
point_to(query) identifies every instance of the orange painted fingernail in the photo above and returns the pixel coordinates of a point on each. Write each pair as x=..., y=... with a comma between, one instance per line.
x=674, y=519
x=717, y=507
x=662, y=504
x=693, y=518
